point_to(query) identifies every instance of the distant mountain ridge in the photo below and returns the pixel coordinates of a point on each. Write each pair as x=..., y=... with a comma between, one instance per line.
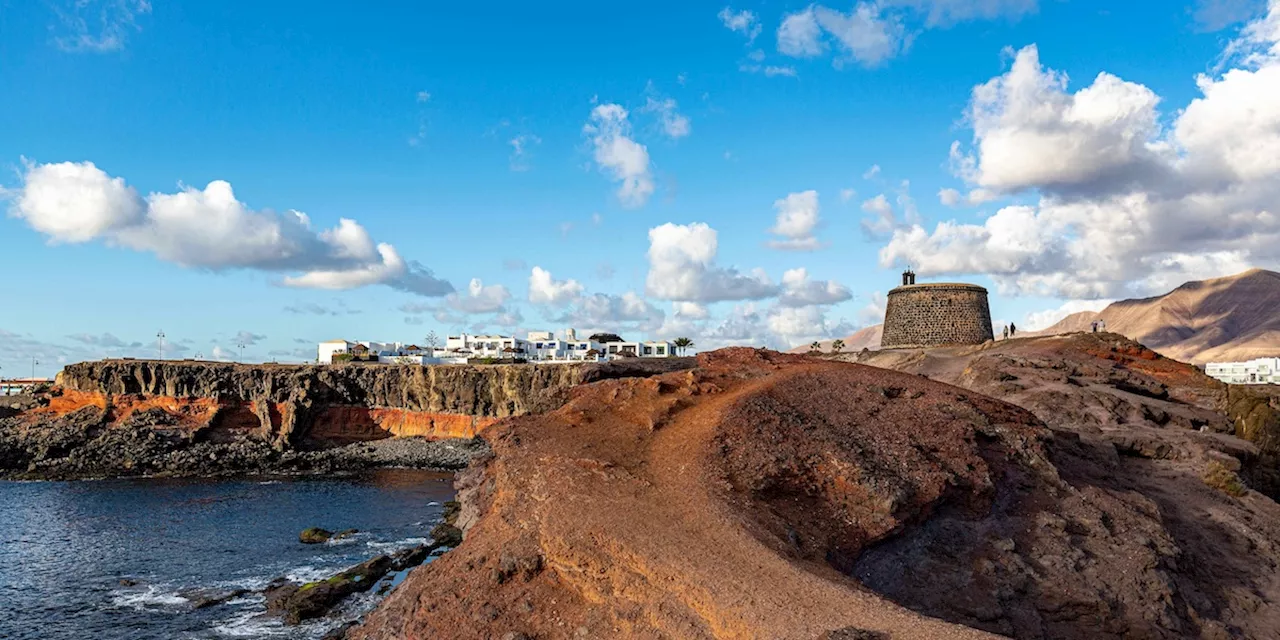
x=1219, y=320
x=865, y=338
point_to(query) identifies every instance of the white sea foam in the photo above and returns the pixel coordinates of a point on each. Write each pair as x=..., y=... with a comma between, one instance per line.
x=153, y=597
x=309, y=573
x=251, y=624
x=406, y=543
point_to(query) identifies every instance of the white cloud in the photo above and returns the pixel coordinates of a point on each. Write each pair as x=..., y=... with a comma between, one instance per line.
x=674, y=124
x=1039, y=320
x=479, y=298
x=247, y=338
x=1214, y=15
x=800, y=36
x=884, y=219
x=744, y=22
x=1127, y=206
x=682, y=268
x=628, y=312
x=873, y=312
x=847, y=194
x=796, y=222
x=520, y=146
x=691, y=310
x=208, y=229
x=864, y=35
x=872, y=173
x=618, y=155
x=799, y=291
x=975, y=197
x=98, y=26
x=776, y=327
x=544, y=289
x=873, y=32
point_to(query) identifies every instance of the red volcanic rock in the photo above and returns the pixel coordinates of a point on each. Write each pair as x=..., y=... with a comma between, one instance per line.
x=764, y=495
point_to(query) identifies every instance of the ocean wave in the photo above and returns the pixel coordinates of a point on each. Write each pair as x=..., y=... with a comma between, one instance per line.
x=153, y=597
x=251, y=624
x=406, y=543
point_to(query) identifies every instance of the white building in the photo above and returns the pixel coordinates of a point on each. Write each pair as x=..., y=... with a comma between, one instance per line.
x=484, y=346
x=538, y=346
x=1261, y=371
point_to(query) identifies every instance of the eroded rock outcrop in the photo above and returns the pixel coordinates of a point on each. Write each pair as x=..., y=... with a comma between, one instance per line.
x=764, y=495
x=128, y=417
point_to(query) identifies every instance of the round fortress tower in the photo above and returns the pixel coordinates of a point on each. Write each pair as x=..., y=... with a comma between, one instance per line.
x=932, y=314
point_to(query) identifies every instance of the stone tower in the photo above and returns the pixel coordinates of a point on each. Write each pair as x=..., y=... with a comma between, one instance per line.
x=932, y=314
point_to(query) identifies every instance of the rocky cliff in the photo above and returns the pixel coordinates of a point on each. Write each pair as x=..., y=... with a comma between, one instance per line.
x=312, y=405
x=132, y=417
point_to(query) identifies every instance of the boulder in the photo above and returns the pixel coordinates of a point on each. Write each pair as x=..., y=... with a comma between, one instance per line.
x=314, y=535
x=314, y=599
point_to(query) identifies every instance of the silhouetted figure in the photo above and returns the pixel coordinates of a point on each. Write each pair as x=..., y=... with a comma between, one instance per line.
x=1013, y=329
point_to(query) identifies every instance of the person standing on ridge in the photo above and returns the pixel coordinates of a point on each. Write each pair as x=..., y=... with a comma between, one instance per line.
x=1006, y=332
x=1013, y=329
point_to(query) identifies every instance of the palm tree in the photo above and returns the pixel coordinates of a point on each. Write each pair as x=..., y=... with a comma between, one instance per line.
x=837, y=346
x=816, y=347
x=682, y=344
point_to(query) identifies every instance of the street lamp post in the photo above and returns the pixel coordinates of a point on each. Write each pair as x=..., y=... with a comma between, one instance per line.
x=241, y=346
x=160, y=335
x=34, y=362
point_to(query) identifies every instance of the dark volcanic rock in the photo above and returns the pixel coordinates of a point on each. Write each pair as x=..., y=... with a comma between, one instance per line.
x=297, y=603
x=314, y=535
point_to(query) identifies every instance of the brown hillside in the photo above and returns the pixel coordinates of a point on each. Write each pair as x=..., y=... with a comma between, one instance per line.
x=1225, y=319
x=764, y=495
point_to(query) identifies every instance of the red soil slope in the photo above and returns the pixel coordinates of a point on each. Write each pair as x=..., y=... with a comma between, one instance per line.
x=771, y=496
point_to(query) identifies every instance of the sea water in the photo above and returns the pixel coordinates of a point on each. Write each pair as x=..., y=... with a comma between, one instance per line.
x=123, y=558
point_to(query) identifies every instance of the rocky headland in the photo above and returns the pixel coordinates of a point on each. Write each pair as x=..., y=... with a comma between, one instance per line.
x=137, y=417
x=784, y=496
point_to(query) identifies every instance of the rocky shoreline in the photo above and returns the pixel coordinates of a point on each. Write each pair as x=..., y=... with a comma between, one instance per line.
x=79, y=446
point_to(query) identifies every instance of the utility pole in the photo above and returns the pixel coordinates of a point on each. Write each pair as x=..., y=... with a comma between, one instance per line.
x=241, y=346
x=160, y=335
x=34, y=362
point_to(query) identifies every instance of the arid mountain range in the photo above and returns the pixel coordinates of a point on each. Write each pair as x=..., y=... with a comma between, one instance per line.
x=1221, y=320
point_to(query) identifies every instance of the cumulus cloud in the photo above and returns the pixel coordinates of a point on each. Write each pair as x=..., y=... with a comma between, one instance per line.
x=682, y=268
x=105, y=341
x=209, y=229
x=628, y=312
x=544, y=289
x=799, y=291
x=744, y=22
x=97, y=26
x=797, y=220
x=479, y=298
x=864, y=35
x=618, y=155
x=1127, y=206
x=975, y=197
x=775, y=327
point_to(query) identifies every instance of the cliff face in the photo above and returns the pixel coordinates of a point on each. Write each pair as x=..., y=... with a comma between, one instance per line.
x=318, y=405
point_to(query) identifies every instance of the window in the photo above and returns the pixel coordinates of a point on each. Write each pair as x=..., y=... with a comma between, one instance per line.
x=538, y=346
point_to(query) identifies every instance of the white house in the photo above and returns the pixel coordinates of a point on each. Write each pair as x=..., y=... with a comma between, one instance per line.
x=538, y=347
x=1260, y=371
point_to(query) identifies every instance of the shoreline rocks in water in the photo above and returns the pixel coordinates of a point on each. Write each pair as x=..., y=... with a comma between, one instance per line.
x=77, y=446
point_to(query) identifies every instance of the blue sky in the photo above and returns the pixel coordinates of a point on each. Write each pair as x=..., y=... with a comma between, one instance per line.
x=481, y=142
